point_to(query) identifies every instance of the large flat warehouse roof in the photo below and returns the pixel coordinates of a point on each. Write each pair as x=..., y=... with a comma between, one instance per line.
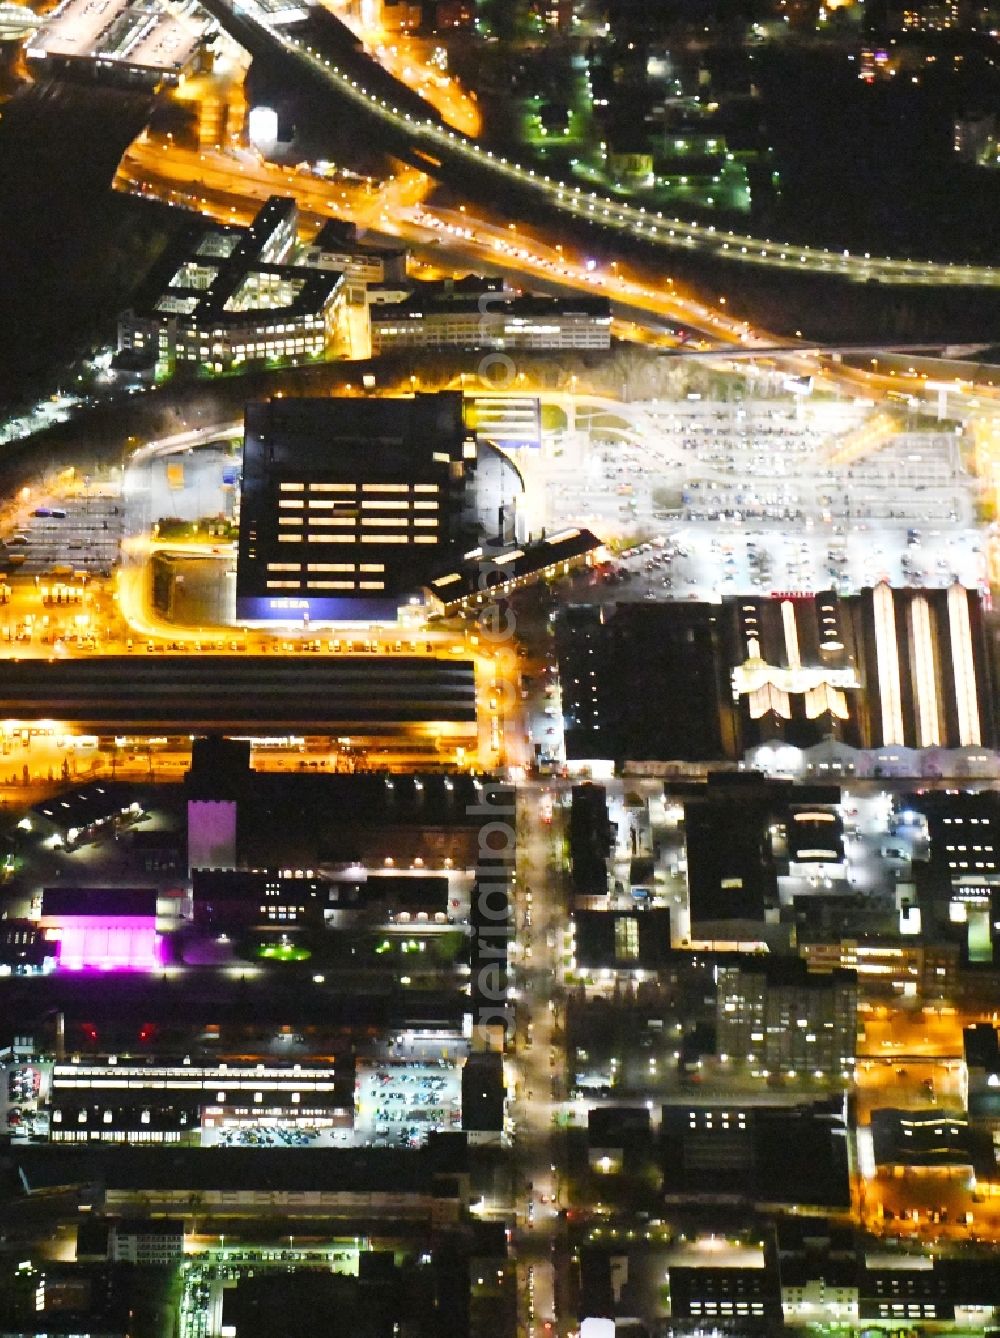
x=128, y=33
x=205, y=692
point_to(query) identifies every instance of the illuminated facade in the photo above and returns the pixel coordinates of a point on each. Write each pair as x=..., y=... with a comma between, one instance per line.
x=111, y=1101
x=349, y=506
x=884, y=669
x=232, y=297
x=106, y=929
x=488, y=573
x=119, y=943
x=781, y=1019
x=886, y=968
x=477, y=313
x=922, y=658
x=794, y=659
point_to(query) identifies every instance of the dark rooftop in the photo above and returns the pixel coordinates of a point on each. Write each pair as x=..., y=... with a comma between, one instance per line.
x=193, y=693
x=622, y=940
x=982, y=1047
x=434, y=297
x=212, y=303
x=347, y=1170
x=765, y=1154
x=99, y=901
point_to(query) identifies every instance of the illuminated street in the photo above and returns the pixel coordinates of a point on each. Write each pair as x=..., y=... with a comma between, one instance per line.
x=670, y=233
x=499, y=712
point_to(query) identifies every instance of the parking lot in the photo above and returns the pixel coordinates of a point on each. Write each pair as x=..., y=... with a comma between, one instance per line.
x=265, y=1136
x=765, y=496
x=712, y=561
x=81, y=532
x=398, y=1105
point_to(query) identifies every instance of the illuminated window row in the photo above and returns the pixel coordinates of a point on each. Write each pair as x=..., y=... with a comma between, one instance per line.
x=345, y=566
x=77, y=1075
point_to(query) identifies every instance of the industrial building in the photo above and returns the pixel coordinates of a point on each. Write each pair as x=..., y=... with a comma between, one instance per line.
x=645, y=681
x=905, y=668
x=742, y=831
x=885, y=670
x=417, y=704
x=358, y=1184
x=757, y=1153
x=106, y=928
x=142, y=43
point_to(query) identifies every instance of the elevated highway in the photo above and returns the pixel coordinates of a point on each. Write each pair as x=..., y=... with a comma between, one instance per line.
x=418, y=136
x=801, y=349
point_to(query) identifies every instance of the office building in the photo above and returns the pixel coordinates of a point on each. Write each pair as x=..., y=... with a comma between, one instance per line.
x=930, y=1140
x=885, y=967
x=480, y=313
x=958, y=875
x=336, y=247
x=778, y=1017
x=225, y=899
x=963, y=1292
x=963, y=833
x=227, y=297
x=349, y=506
x=818, y=1270
x=156, y=1242
x=724, y=1295
x=609, y=942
